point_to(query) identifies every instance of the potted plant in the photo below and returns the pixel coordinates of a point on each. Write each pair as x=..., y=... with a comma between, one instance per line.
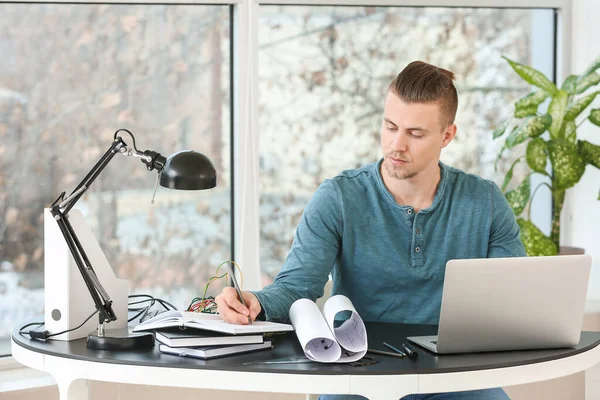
x=566, y=155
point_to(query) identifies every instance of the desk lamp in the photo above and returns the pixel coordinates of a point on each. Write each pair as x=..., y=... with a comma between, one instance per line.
x=184, y=170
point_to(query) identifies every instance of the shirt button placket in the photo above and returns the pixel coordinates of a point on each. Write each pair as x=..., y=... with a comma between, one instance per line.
x=417, y=244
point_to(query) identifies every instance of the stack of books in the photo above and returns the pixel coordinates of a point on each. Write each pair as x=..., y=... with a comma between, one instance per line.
x=207, y=345
x=206, y=336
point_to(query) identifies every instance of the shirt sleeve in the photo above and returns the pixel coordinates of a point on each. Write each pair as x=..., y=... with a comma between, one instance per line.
x=505, y=234
x=315, y=249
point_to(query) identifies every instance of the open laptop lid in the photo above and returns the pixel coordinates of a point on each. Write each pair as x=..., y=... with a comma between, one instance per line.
x=513, y=303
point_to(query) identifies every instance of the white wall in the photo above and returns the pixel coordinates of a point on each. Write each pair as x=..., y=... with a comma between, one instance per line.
x=581, y=214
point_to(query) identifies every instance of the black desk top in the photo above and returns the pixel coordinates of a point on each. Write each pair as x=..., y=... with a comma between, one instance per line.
x=288, y=346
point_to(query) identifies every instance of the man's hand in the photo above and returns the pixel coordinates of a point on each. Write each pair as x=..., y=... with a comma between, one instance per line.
x=233, y=311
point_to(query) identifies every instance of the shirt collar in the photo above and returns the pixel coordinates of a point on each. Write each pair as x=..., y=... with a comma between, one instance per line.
x=439, y=191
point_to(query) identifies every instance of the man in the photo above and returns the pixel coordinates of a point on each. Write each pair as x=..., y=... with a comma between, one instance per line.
x=385, y=231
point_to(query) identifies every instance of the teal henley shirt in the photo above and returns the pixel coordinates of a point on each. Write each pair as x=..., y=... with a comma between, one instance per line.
x=386, y=258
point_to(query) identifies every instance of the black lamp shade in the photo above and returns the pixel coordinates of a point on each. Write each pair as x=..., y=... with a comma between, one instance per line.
x=188, y=170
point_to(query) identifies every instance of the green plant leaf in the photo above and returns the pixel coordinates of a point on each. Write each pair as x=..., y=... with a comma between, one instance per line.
x=586, y=82
x=536, y=155
x=499, y=131
x=578, y=106
x=595, y=116
x=567, y=165
x=509, y=174
x=589, y=152
x=535, y=242
x=571, y=131
x=538, y=125
x=499, y=156
x=516, y=137
x=532, y=99
x=570, y=84
x=533, y=77
x=592, y=67
x=557, y=109
x=519, y=196
x=533, y=128
x=526, y=111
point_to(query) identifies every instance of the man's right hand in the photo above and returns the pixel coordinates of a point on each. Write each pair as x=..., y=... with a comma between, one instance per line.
x=233, y=311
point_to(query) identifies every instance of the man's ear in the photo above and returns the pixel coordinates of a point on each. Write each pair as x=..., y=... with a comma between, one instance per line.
x=449, y=134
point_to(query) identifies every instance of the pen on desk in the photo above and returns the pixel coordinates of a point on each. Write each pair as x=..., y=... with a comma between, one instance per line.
x=409, y=351
x=386, y=353
x=393, y=348
x=239, y=291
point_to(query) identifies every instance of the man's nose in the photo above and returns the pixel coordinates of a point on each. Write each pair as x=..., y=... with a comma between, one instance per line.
x=400, y=142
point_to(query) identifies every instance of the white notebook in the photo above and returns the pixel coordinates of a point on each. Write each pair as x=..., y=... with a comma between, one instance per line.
x=209, y=322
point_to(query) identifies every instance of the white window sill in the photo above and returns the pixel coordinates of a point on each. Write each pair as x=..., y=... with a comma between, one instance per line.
x=15, y=377
x=592, y=306
x=9, y=363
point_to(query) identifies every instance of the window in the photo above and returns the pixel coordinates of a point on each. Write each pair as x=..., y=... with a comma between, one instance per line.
x=72, y=74
x=323, y=75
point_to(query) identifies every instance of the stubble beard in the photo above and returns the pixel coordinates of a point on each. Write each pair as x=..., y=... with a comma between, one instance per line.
x=399, y=173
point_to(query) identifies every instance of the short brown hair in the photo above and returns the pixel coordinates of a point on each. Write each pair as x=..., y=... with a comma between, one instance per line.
x=420, y=82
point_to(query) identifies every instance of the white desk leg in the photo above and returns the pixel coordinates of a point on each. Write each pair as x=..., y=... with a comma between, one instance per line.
x=73, y=389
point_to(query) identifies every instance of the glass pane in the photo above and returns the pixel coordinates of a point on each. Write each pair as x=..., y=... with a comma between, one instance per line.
x=323, y=76
x=71, y=76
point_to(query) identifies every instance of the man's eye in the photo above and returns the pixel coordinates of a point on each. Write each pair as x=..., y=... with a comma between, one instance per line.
x=416, y=135
x=392, y=128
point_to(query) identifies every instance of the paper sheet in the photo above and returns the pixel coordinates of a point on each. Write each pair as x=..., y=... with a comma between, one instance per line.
x=320, y=339
x=314, y=335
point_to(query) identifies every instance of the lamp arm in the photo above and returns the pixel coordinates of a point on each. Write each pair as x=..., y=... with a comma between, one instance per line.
x=103, y=305
x=60, y=212
x=117, y=146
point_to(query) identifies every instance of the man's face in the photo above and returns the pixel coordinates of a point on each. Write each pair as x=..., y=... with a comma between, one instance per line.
x=412, y=136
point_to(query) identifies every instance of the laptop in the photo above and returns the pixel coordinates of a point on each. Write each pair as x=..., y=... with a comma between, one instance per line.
x=518, y=303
